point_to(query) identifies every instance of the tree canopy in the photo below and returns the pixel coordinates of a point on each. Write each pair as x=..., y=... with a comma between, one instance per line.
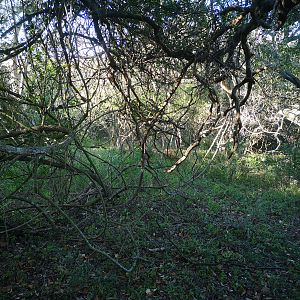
x=139, y=48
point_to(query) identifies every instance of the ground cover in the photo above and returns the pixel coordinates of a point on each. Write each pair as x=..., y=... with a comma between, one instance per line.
x=230, y=233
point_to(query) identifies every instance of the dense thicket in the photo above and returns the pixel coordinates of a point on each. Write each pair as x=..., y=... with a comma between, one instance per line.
x=153, y=77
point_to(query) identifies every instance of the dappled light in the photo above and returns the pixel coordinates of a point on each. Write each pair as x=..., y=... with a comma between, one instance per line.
x=149, y=149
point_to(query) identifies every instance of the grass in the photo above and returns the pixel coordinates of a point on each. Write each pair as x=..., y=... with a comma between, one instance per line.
x=231, y=233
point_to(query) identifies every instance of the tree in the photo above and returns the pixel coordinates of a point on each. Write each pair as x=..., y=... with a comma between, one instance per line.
x=154, y=74
x=134, y=34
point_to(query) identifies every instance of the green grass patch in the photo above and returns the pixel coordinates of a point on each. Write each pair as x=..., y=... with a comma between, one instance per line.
x=231, y=232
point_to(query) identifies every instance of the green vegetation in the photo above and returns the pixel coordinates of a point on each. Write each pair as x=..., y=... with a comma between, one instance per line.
x=232, y=233
x=149, y=149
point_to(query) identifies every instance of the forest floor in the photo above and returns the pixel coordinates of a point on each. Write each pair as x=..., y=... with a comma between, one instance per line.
x=231, y=233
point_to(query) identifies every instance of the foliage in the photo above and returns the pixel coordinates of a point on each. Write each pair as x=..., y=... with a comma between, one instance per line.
x=233, y=233
x=116, y=122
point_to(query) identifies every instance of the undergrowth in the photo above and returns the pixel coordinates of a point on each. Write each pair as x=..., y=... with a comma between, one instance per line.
x=231, y=231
